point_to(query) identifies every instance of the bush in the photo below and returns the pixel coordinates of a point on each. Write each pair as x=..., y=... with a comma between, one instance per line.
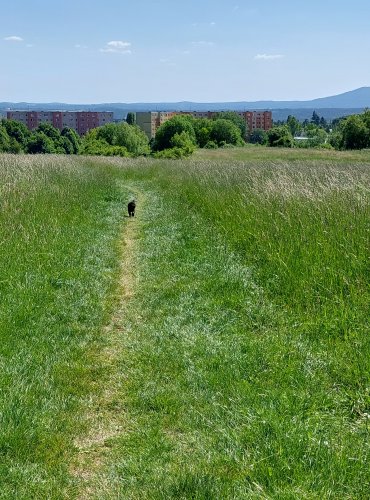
x=176, y=125
x=355, y=133
x=225, y=132
x=258, y=136
x=170, y=153
x=233, y=118
x=4, y=140
x=280, y=137
x=183, y=141
x=202, y=128
x=95, y=147
x=121, y=135
x=18, y=132
x=73, y=138
x=39, y=142
x=211, y=145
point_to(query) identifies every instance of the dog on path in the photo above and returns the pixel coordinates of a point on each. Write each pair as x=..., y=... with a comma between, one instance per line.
x=131, y=208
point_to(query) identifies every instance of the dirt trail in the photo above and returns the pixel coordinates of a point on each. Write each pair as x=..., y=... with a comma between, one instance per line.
x=104, y=413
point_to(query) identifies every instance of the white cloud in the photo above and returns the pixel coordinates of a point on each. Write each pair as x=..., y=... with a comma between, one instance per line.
x=202, y=43
x=268, y=57
x=13, y=39
x=203, y=25
x=118, y=47
x=118, y=44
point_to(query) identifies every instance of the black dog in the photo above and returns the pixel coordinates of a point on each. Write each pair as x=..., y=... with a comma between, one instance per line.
x=131, y=208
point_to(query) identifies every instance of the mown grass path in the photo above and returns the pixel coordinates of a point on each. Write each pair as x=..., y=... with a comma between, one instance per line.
x=104, y=413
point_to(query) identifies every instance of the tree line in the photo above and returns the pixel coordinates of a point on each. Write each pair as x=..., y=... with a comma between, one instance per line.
x=182, y=134
x=352, y=132
x=176, y=138
x=16, y=138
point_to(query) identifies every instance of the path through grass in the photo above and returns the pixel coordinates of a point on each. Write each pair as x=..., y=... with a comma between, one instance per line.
x=104, y=410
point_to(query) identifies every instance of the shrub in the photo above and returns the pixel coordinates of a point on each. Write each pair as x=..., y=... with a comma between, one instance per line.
x=183, y=141
x=211, y=145
x=280, y=137
x=225, y=132
x=18, y=132
x=122, y=135
x=39, y=142
x=170, y=128
x=258, y=136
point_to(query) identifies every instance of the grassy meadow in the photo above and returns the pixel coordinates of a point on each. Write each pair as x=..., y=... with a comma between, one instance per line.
x=241, y=354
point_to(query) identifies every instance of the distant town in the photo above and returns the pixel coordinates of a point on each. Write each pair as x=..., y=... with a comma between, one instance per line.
x=148, y=122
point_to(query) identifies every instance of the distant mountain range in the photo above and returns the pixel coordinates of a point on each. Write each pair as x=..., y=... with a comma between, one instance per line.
x=331, y=107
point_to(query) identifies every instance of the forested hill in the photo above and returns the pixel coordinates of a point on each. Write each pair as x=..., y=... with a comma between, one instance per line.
x=330, y=107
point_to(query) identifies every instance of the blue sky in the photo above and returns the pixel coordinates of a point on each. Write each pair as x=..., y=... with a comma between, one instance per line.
x=80, y=51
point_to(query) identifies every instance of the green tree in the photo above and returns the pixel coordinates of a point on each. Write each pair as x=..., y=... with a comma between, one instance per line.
x=55, y=136
x=355, y=134
x=225, y=131
x=366, y=118
x=175, y=125
x=294, y=126
x=107, y=133
x=316, y=135
x=73, y=138
x=39, y=142
x=323, y=123
x=131, y=140
x=280, y=137
x=18, y=131
x=336, y=139
x=131, y=118
x=66, y=145
x=315, y=118
x=50, y=131
x=184, y=142
x=258, y=136
x=234, y=118
x=4, y=140
x=202, y=129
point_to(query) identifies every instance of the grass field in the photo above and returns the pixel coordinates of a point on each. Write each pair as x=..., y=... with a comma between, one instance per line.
x=216, y=346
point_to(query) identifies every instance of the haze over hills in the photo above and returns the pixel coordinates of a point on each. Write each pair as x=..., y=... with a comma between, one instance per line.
x=330, y=107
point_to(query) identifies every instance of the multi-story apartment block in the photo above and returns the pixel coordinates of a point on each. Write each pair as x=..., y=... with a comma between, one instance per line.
x=149, y=122
x=258, y=119
x=80, y=121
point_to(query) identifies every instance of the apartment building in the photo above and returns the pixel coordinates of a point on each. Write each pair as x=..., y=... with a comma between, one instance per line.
x=258, y=119
x=149, y=122
x=80, y=121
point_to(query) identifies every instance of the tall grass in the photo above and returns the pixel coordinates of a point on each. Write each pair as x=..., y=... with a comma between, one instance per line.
x=243, y=352
x=304, y=227
x=303, y=230
x=246, y=357
x=59, y=223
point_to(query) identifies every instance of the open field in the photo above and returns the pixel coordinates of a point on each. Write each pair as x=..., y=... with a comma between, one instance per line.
x=216, y=346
